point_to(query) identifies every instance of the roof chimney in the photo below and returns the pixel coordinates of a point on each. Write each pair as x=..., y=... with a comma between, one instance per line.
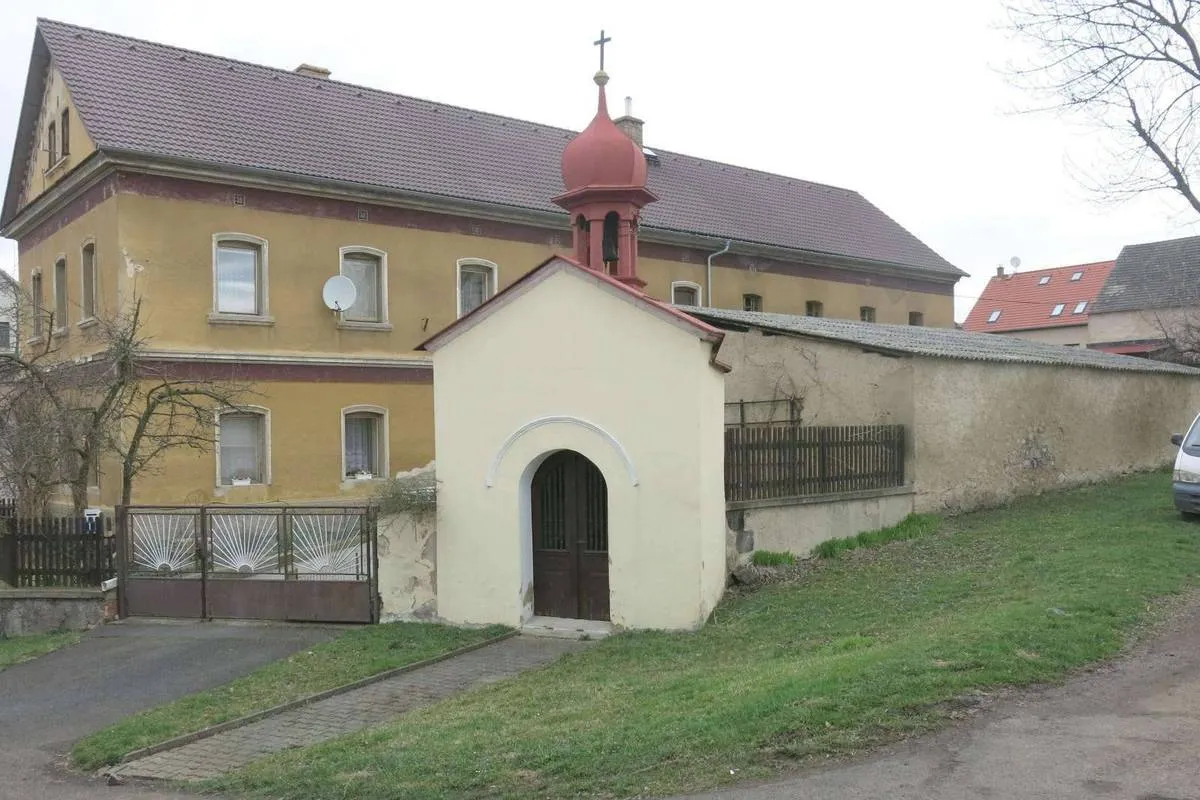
x=311, y=71
x=631, y=125
x=1000, y=271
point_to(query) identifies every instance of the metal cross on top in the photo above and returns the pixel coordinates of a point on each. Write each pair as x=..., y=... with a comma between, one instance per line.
x=603, y=40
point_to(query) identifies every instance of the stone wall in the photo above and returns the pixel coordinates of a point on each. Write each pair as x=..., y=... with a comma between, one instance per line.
x=29, y=611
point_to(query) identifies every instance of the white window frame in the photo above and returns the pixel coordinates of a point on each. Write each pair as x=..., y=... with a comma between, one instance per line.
x=994, y=316
x=384, y=436
x=1080, y=307
x=476, y=263
x=689, y=285
x=61, y=323
x=1077, y=276
x=384, y=321
x=228, y=318
x=37, y=300
x=87, y=319
x=1044, y=280
x=1058, y=309
x=261, y=411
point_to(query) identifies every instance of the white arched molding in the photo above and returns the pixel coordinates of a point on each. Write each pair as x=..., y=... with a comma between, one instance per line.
x=688, y=285
x=567, y=420
x=263, y=317
x=477, y=263
x=383, y=323
x=261, y=411
x=384, y=437
x=87, y=318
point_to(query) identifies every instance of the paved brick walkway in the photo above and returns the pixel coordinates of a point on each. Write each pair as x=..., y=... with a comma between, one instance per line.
x=374, y=704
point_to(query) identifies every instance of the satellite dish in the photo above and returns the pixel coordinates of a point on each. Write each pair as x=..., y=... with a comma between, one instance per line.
x=1015, y=261
x=339, y=293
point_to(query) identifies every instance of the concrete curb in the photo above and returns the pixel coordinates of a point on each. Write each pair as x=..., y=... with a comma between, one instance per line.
x=228, y=725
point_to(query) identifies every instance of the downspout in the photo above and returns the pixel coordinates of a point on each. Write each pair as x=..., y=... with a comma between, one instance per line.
x=708, y=272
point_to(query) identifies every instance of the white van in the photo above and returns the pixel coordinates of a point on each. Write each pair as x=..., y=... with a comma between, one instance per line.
x=1187, y=470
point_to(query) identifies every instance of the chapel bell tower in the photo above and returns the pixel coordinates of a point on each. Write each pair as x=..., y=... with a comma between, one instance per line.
x=604, y=172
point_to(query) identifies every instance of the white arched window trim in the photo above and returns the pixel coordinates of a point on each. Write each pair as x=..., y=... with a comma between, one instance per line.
x=61, y=315
x=261, y=411
x=478, y=263
x=87, y=319
x=384, y=436
x=688, y=285
x=384, y=322
x=264, y=316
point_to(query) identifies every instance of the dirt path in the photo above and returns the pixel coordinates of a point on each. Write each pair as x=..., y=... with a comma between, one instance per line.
x=1127, y=730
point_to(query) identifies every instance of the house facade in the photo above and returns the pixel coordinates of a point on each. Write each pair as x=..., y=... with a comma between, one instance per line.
x=222, y=195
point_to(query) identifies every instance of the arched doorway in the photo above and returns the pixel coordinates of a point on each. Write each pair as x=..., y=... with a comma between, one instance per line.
x=569, y=511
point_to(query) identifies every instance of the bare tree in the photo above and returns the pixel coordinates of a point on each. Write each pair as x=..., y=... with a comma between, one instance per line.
x=62, y=412
x=1130, y=67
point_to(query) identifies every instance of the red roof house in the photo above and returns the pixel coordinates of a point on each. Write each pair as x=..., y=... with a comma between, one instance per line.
x=1046, y=305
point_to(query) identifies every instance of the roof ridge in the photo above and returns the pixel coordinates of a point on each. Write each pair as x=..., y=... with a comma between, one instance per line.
x=362, y=87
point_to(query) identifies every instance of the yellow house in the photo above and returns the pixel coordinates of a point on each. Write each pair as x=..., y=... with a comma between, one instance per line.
x=224, y=194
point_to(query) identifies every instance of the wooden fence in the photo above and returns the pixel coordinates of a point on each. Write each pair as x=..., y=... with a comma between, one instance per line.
x=56, y=552
x=782, y=459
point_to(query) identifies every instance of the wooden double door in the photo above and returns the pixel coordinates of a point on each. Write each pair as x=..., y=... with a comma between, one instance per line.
x=569, y=504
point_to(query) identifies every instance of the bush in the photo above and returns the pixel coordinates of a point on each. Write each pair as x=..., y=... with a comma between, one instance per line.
x=413, y=494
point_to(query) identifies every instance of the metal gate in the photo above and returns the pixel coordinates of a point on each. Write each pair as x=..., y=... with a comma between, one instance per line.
x=297, y=563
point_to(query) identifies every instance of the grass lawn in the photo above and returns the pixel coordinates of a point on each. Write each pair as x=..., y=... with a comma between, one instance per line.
x=25, y=648
x=359, y=653
x=869, y=646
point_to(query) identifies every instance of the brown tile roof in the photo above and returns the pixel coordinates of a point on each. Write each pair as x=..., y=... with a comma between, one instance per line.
x=147, y=98
x=1025, y=302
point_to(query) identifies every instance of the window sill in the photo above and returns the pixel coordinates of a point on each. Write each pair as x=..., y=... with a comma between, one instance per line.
x=39, y=339
x=362, y=325
x=89, y=322
x=58, y=333
x=217, y=318
x=57, y=165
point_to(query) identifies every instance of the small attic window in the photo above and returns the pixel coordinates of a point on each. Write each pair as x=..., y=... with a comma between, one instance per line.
x=1058, y=309
x=995, y=315
x=52, y=143
x=1077, y=276
x=65, y=131
x=1080, y=307
x=1044, y=280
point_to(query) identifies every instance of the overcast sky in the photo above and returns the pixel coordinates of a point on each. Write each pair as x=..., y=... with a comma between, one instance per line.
x=902, y=101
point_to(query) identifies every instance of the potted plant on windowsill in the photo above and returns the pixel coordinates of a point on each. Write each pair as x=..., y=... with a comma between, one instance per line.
x=362, y=475
x=242, y=479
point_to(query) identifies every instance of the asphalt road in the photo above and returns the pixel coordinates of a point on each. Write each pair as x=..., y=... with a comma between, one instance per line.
x=117, y=670
x=1129, y=730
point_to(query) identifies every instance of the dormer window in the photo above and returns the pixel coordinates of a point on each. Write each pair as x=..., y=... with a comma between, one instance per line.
x=995, y=315
x=1077, y=276
x=1080, y=307
x=1045, y=279
x=1058, y=309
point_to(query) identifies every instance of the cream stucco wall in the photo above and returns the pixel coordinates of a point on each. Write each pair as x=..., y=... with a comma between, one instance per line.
x=1066, y=335
x=1122, y=326
x=407, y=567
x=987, y=432
x=798, y=527
x=838, y=385
x=570, y=364
x=980, y=433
